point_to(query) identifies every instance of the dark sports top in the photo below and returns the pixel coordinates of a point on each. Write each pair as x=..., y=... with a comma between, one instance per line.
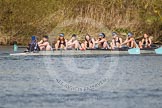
x=62, y=42
x=146, y=40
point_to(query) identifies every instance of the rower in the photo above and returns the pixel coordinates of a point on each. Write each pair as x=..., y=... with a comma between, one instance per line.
x=116, y=41
x=101, y=42
x=146, y=42
x=73, y=43
x=61, y=43
x=89, y=43
x=33, y=45
x=130, y=41
x=44, y=44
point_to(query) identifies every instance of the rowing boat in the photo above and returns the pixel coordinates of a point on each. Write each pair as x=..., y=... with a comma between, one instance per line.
x=78, y=52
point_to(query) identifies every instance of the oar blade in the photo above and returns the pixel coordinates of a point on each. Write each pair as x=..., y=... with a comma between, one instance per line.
x=134, y=51
x=158, y=51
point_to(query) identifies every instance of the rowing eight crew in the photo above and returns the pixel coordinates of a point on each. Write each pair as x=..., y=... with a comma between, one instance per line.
x=89, y=42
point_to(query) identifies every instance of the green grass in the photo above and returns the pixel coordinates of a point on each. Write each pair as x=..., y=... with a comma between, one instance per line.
x=20, y=19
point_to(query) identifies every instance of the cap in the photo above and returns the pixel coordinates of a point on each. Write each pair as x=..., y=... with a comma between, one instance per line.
x=33, y=38
x=61, y=35
x=102, y=34
x=130, y=34
x=114, y=34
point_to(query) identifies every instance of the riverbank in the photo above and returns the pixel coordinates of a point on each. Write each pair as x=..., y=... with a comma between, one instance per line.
x=19, y=20
x=25, y=41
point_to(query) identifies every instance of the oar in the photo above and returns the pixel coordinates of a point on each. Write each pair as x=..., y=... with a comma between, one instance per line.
x=15, y=47
x=134, y=50
x=158, y=50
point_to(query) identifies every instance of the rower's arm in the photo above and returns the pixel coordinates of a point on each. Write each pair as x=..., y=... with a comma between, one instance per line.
x=69, y=42
x=113, y=42
x=126, y=41
x=57, y=44
x=150, y=41
x=97, y=41
x=93, y=41
x=40, y=42
x=132, y=39
x=103, y=40
x=85, y=42
x=66, y=43
x=120, y=39
x=143, y=41
x=58, y=41
x=44, y=44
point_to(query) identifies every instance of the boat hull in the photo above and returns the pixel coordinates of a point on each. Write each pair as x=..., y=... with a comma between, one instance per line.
x=75, y=52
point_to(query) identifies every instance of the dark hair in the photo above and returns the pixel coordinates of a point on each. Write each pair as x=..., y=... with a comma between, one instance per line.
x=103, y=34
x=45, y=36
x=74, y=35
x=114, y=33
x=87, y=35
x=60, y=39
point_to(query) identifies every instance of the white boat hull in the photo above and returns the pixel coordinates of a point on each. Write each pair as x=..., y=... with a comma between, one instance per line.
x=74, y=52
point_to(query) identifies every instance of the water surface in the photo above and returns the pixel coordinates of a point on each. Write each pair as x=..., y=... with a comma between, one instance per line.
x=59, y=82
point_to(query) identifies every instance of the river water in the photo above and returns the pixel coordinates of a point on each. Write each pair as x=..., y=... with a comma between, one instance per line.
x=104, y=81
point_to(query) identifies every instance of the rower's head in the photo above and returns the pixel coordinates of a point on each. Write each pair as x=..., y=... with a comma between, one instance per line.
x=145, y=35
x=130, y=35
x=114, y=34
x=87, y=37
x=102, y=35
x=74, y=37
x=45, y=38
x=33, y=38
x=61, y=36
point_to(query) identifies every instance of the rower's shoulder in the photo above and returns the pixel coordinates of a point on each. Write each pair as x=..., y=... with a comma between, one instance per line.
x=150, y=38
x=120, y=38
x=92, y=38
x=58, y=40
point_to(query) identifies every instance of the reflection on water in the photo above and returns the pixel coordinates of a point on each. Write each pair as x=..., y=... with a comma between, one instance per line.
x=26, y=82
